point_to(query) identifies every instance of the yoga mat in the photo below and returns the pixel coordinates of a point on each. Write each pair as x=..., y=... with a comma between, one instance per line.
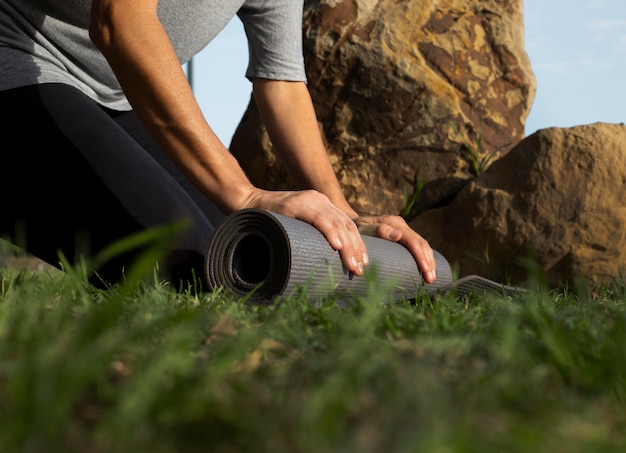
x=264, y=256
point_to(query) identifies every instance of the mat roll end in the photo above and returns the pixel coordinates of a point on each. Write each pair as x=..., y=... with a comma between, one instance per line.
x=249, y=254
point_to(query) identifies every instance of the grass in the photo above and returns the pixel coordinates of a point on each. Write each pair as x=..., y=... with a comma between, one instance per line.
x=144, y=368
x=480, y=159
x=409, y=210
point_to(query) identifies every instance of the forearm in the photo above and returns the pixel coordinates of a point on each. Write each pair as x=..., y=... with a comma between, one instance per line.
x=138, y=49
x=290, y=119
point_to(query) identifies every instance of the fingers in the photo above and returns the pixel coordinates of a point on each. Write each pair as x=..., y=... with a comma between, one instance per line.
x=340, y=231
x=394, y=228
x=348, y=240
x=425, y=258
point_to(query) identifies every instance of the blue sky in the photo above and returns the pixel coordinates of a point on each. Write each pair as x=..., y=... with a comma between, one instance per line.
x=577, y=50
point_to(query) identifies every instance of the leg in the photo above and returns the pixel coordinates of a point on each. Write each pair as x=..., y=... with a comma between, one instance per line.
x=88, y=181
x=131, y=124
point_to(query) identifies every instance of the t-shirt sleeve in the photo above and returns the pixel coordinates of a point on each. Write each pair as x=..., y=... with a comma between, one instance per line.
x=274, y=32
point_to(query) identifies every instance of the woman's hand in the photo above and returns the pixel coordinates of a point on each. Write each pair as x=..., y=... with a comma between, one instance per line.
x=394, y=228
x=315, y=208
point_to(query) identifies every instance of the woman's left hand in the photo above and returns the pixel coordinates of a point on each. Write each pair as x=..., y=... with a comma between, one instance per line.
x=394, y=228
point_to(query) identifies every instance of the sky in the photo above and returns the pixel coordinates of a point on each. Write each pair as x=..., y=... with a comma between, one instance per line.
x=577, y=50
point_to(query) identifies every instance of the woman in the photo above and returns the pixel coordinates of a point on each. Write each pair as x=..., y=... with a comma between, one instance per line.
x=106, y=134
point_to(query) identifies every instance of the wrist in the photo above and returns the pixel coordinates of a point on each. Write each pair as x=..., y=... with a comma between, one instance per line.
x=337, y=198
x=343, y=204
x=249, y=197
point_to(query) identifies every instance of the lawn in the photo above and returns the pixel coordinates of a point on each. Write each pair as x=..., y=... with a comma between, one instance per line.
x=142, y=367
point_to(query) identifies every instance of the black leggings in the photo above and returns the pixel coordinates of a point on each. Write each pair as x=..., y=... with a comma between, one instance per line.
x=75, y=177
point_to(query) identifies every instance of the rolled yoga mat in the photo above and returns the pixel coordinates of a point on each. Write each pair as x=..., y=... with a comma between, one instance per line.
x=263, y=256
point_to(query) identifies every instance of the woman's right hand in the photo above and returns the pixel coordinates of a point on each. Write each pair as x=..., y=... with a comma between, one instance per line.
x=315, y=208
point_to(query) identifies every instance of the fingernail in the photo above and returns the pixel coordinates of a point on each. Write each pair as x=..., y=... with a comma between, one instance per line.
x=338, y=243
x=360, y=267
x=354, y=262
x=433, y=275
x=394, y=235
x=366, y=259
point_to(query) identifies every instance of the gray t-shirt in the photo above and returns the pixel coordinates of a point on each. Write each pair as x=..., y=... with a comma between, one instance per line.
x=47, y=41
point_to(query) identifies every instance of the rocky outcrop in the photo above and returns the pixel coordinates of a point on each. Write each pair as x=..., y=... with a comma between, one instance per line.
x=559, y=197
x=404, y=91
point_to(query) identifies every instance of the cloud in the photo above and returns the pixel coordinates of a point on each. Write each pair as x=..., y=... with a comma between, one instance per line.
x=595, y=63
x=606, y=30
x=609, y=37
x=554, y=67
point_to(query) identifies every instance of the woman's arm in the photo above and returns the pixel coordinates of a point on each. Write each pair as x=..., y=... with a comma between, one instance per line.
x=135, y=44
x=290, y=118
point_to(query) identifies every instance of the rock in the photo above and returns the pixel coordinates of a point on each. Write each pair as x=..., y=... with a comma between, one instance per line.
x=558, y=196
x=404, y=90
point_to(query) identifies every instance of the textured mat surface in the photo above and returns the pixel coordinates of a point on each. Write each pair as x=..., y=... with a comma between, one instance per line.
x=263, y=256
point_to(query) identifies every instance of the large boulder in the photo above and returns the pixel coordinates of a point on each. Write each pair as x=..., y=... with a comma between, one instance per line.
x=559, y=197
x=404, y=91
